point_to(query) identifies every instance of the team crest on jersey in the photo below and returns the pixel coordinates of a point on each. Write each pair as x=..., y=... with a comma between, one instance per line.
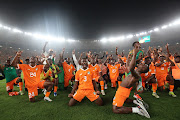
x=95, y=68
x=36, y=68
x=88, y=72
x=11, y=67
x=115, y=67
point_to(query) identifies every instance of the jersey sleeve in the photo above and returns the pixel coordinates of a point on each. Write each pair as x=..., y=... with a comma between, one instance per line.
x=41, y=67
x=21, y=66
x=77, y=76
x=93, y=75
x=108, y=65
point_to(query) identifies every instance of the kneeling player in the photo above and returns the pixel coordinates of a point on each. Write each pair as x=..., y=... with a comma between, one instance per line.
x=124, y=90
x=84, y=81
x=11, y=79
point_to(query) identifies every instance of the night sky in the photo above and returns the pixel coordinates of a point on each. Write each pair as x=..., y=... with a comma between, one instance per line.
x=87, y=20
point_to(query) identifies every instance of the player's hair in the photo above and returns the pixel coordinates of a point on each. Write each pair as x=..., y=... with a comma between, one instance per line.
x=134, y=43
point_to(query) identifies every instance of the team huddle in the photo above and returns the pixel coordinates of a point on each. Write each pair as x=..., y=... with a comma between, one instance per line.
x=90, y=74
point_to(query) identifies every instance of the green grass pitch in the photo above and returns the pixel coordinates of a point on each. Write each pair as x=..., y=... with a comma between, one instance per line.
x=19, y=107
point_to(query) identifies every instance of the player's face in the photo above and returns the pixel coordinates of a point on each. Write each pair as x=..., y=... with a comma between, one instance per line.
x=177, y=59
x=60, y=64
x=143, y=68
x=122, y=54
x=84, y=63
x=137, y=44
x=27, y=61
x=50, y=61
x=68, y=60
x=32, y=60
x=162, y=58
x=51, y=52
x=111, y=62
x=99, y=61
x=93, y=61
x=8, y=62
x=148, y=61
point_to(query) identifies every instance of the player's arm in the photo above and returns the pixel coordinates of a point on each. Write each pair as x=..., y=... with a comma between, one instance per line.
x=74, y=58
x=106, y=61
x=158, y=64
x=128, y=60
x=61, y=55
x=44, y=48
x=76, y=84
x=133, y=63
x=15, y=60
x=167, y=49
x=120, y=61
x=116, y=50
x=80, y=58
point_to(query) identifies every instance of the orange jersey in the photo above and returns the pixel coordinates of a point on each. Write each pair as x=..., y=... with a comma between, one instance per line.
x=96, y=69
x=85, y=78
x=163, y=69
x=176, y=71
x=113, y=71
x=31, y=74
x=124, y=59
x=68, y=69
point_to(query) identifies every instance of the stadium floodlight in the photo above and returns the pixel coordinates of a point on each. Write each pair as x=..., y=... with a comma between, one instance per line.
x=111, y=51
x=156, y=29
x=10, y=47
x=129, y=36
x=177, y=43
x=39, y=36
x=164, y=26
x=16, y=30
x=1, y=25
x=170, y=24
x=28, y=33
x=71, y=40
x=19, y=48
x=123, y=50
x=159, y=46
x=6, y=27
x=137, y=35
x=34, y=50
x=151, y=31
x=0, y=45
x=176, y=22
x=61, y=39
x=27, y=49
x=145, y=32
x=142, y=33
x=103, y=40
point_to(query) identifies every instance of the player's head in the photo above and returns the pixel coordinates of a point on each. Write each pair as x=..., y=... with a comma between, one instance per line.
x=112, y=62
x=50, y=51
x=27, y=60
x=142, y=67
x=99, y=61
x=60, y=64
x=122, y=54
x=32, y=60
x=68, y=60
x=136, y=43
x=8, y=62
x=84, y=63
x=46, y=68
x=147, y=60
x=177, y=59
x=93, y=61
x=162, y=58
x=111, y=57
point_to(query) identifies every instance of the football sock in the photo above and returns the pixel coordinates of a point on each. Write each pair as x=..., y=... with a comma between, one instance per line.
x=47, y=94
x=55, y=88
x=135, y=110
x=20, y=85
x=154, y=87
x=102, y=85
x=171, y=88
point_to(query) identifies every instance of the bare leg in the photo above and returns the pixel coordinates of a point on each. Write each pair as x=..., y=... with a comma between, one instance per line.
x=121, y=110
x=99, y=101
x=48, y=85
x=72, y=102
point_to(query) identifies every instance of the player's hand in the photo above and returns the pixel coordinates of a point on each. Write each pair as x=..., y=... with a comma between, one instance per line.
x=135, y=50
x=19, y=53
x=98, y=92
x=73, y=52
x=63, y=49
x=116, y=48
x=70, y=95
x=167, y=46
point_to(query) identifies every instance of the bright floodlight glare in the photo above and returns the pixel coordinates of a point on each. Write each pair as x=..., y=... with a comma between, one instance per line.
x=39, y=36
x=156, y=29
x=16, y=30
x=6, y=27
x=61, y=39
x=34, y=50
x=10, y=47
x=103, y=40
x=28, y=33
x=0, y=25
x=19, y=48
x=71, y=40
x=137, y=35
x=170, y=24
x=159, y=46
x=164, y=26
x=151, y=31
x=0, y=45
x=129, y=36
x=176, y=22
x=27, y=49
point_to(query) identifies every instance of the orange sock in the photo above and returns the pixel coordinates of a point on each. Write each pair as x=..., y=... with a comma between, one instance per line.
x=47, y=94
x=171, y=88
x=102, y=85
x=55, y=88
x=20, y=85
x=154, y=87
x=119, y=82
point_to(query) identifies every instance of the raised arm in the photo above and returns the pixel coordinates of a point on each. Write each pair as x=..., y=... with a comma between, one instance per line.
x=74, y=58
x=133, y=63
x=61, y=55
x=15, y=60
x=44, y=48
x=116, y=50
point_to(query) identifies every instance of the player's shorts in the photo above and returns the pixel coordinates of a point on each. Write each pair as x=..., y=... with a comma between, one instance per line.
x=90, y=94
x=121, y=95
x=97, y=78
x=161, y=79
x=33, y=91
x=10, y=85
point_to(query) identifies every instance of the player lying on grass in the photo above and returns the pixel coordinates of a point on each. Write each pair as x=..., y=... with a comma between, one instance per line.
x=124, y=89
x=85, y=84
x=31, y=74
x=11, y=79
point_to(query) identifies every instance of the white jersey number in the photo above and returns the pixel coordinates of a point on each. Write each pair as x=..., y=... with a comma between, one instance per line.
x=32, y=74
